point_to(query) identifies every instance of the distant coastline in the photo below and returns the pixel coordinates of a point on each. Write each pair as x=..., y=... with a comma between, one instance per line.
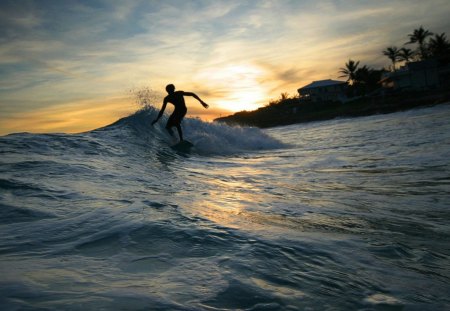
x=291, y=111
x=423, y=80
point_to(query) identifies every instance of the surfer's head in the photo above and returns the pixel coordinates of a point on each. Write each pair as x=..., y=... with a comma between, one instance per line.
x=170, y=88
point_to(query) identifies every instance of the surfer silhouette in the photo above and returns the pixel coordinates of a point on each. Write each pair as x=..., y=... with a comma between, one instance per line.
x=177, y=99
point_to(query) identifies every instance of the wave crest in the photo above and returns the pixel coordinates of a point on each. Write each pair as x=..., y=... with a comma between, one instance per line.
x=208, y=138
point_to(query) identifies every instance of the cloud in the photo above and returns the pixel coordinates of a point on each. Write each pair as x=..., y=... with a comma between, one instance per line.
x=56, y=53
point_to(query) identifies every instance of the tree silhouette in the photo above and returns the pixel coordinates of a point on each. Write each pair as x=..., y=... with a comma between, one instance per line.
x=362, y=74
x=366, y=80
x=284, y=96
x=439, y=47
x=405, y=54
x=419, y=36
x=349, y=71
x=392, y=53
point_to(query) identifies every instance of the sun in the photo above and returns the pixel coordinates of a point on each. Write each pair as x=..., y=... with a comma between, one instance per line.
x=243, y=99
x=238, y=85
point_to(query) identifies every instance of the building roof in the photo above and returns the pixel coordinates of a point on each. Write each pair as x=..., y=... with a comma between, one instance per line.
x=322, y=83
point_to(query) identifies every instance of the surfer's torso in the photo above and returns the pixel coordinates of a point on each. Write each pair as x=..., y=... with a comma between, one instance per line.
x=177, y=99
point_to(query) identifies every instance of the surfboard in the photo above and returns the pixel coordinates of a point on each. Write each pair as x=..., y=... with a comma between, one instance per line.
x=183, y=146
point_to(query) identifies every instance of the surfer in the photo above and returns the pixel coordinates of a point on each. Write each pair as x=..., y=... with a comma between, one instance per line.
x=177, y=99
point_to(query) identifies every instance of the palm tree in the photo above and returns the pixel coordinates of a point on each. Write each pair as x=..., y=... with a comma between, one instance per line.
x=362, y=74
x=439, y=46
x=419, y=36
x=361, y=78
x=405, y=55
x=392, y=53
x=366, y=80
x=349, y=71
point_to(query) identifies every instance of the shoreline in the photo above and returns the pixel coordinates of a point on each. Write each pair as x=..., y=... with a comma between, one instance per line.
x=293, y=111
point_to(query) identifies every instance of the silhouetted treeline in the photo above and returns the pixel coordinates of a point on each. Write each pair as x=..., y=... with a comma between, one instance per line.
x=291, y=111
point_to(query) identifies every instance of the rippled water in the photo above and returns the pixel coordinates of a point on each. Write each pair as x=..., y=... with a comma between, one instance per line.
x=348, y=214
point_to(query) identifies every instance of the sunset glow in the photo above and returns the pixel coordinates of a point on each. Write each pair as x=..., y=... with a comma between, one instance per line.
x=56, y=56
x=239, y=85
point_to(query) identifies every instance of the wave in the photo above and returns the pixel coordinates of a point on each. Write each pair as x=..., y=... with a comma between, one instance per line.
x=136, y=129
x=208, y=138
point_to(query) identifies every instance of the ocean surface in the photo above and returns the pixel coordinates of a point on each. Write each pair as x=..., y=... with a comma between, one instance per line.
x=348, y=214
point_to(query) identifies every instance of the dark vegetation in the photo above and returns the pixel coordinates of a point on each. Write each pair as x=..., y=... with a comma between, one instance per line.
x=364, y=90
x=290, y=111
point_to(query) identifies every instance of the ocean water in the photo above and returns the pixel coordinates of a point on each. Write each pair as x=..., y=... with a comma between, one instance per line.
x=349, y=214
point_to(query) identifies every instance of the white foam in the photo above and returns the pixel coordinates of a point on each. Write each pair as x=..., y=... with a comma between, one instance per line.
x=208, y=138
x=219, y=138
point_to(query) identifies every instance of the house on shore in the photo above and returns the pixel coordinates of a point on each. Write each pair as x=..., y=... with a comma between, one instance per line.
x=418, y=76
x=324, y=90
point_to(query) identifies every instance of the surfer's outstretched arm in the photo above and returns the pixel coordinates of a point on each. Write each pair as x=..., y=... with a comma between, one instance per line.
x=160, y=112
x=197, y=98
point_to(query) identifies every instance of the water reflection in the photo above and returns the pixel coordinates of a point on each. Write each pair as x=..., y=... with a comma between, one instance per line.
x=249, y=198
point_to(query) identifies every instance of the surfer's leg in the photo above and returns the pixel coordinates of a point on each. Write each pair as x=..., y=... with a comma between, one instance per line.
x=169, y=129
x=175, y=120
x=169, y=126
x=180, y=133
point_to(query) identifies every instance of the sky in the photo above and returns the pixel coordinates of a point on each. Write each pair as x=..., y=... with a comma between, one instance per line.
x=72, y=66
